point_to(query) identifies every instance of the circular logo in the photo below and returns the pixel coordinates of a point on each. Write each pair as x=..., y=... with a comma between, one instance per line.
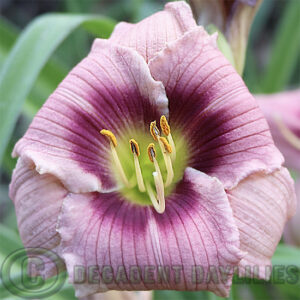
x=20, y=273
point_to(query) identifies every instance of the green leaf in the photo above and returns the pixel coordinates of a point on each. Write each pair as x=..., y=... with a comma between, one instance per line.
x=77, y=6
x=286, y=255
x=10, y=240
x=286, y=276
x=50, y=76
x=30, y=53
x=8, y=35
x=202, y=295
x=285, y=51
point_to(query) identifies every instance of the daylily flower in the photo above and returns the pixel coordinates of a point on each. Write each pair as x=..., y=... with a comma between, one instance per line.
x=151, y=166
x=282, y=111
x=233, y=17
x=291, y=233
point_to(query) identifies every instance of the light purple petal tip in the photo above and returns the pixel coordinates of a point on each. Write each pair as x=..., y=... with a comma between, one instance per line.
x=261, y=206
x=38, y=200
x=197, y=229
x=151, y=34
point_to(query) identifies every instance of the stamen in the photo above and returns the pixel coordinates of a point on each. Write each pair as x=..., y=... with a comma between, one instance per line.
x=165, y=127
x=287, y=133
x=136, y=153
x=152, y=156
x=158, y=201
x=154, y=131
x=113, y=144
x=166, y=149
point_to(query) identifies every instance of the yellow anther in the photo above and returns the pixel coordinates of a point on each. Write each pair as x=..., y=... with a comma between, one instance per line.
x=113, y=145
x=167, y=146
x=164, y=125
x=151, y=152
x=110, y=135
x=154, y=130
x=134, y=146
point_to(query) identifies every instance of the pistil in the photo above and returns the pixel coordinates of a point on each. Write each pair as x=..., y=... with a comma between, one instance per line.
x=165, y=127
x=113, y=145
x=136, y=153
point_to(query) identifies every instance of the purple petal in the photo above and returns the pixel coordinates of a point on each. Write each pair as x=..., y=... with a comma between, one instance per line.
x=197, y=229
x=261, y=206
x=110, y=89
x=284, y=108
x=38, y=200
x=227, y=134
x=151, y=34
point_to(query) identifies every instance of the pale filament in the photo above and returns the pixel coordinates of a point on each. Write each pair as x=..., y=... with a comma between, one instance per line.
x=138, y=173
x=159, y=200
x=160, y=191
x=168, y=163
x=171, y=142
x=113, y=145
x=118, y=165
x=157, y=170
x=139, y=177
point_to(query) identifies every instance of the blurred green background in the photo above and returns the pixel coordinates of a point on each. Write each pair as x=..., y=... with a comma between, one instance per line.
x=48, y=47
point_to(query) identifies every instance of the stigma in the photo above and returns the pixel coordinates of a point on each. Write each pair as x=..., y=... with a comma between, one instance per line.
x=152, y=186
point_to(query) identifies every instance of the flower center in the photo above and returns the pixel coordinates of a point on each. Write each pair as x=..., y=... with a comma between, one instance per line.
x=149, y=167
